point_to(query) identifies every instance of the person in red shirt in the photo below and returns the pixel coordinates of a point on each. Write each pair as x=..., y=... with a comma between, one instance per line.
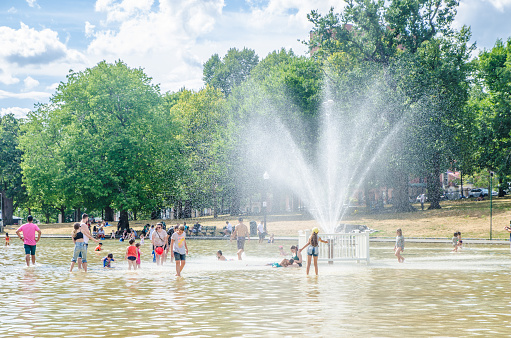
x=131, y=255
x=98, y=248
x=29, y=241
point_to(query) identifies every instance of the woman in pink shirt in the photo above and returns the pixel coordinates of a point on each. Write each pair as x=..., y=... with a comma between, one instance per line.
x=29, y=241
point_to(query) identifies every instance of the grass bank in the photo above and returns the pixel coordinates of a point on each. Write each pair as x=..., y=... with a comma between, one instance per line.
x=470, y=217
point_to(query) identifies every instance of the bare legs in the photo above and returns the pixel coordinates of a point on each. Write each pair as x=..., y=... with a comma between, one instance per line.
x=400, y=258
x=132, y=264
x=309, y=260
x=180, y=264
x=240, y=251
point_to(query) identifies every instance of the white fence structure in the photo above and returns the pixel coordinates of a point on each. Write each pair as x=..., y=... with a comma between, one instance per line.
x=340, y=246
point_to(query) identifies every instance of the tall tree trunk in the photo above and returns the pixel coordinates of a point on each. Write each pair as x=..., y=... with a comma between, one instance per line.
x=235, y=202
x=78, y=215
x=123, y=220
x=434, y=185
x=400, y=196
x=7, y=209
x=215, y=202
x=188, y=209
x=63, y=213
x=134, y=215
x=109, y=214
x=501, y=186
x=178, y=210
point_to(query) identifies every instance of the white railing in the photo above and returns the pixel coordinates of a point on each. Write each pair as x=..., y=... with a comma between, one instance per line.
x=340, y=246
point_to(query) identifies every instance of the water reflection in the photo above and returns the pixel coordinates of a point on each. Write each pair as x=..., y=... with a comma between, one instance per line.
x=432, y=293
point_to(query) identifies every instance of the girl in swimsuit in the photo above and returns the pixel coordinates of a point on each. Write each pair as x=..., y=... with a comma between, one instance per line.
x=400, y=246
x=131, y=255
x=80, y=246
x=313, y=249
x=7, y=239
x=297, y=256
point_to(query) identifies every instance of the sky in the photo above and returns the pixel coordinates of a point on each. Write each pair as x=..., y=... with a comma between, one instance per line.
x=42, y=40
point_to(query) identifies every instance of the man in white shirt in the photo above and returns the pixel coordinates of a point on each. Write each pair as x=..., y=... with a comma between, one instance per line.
x=228, y=229
x=260, y=231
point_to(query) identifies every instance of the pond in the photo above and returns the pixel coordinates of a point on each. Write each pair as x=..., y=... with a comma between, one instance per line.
x=434, y=293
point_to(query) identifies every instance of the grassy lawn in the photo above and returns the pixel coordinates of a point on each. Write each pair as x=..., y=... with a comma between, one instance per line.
x=470, y=217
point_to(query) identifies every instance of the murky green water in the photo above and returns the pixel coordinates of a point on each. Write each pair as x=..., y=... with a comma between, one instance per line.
x=434, y=293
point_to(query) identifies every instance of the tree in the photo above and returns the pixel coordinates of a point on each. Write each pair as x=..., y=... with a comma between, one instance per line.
x=100, y=131
x=425, y=63
x=492, y=102
x=230, y=71
x=202, y=131
x=13, y=194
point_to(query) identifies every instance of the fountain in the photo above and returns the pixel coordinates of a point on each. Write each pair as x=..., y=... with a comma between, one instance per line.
x=348, y=145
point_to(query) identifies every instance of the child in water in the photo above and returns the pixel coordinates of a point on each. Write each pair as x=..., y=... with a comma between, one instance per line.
x=271, y=239
x=107, y=260
x=138, y=255
x=142, y=239
x=460, y=242
x=220, y=256
x=7, y=240
x=98, y=248
x=400, y=246
x=131, y=255
x=313, y=250
x=455, y=242
x=284, y=264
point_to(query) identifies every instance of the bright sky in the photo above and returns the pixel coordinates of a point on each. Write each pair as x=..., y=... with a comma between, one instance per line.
x=41, y=40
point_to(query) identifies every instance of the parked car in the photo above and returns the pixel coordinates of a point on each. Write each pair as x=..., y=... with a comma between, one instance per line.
x=478, y=192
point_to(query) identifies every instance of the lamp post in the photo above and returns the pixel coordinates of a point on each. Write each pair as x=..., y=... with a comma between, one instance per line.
x=266, y=177
x=491, y=203
x=1, y=212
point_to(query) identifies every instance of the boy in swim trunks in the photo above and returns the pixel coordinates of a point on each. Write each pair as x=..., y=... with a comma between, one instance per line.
x=240, y=232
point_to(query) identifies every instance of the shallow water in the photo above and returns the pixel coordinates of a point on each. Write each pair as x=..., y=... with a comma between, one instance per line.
x=434, y=293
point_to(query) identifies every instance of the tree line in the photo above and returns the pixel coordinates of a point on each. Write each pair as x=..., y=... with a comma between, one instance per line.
x=109, y=139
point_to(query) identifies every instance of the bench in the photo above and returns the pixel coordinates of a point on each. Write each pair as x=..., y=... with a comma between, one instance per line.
x=209, y=230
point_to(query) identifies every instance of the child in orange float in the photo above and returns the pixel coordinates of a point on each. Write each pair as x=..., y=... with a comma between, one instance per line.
x=98, y=248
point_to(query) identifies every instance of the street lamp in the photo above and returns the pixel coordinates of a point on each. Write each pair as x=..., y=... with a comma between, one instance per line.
x=1, y=212
x=266, y=177
x=491, y=203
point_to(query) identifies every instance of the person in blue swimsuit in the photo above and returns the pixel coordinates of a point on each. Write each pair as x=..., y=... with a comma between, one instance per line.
x=107, y=260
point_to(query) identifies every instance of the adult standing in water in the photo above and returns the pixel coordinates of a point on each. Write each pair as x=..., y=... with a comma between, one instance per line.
x=84, y=229
x=159, y=240
x=240, y=232
x=29, y=241
x=260, y=231
x=80, y=248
